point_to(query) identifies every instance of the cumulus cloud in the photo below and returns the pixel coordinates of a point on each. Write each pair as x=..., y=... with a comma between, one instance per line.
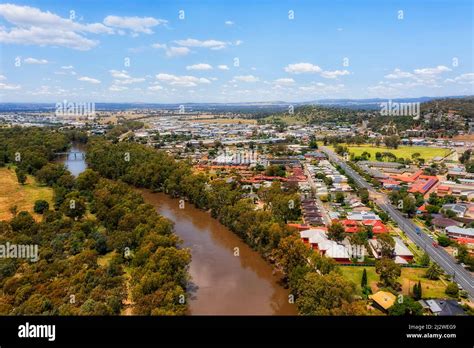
x=181, y=81
x=6, y=86
x=432, y=71
x=211, y=44
x=222, y=67
x=284, y=81
x=172, y=51
x=200, y=66
x=246, y=78
x=35, y=61
x=88, y=79
x=422, y=74
x=134, y=24
x=334, y=74
x=398, y=74
x=467, y=78
x=31, y=26
x=301, y=68
x=123, y=78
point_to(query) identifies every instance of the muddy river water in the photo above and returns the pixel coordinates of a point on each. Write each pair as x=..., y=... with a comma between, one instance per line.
x=228, y=277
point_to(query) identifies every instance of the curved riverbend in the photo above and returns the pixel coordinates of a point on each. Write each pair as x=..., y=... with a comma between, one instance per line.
x=222, y=283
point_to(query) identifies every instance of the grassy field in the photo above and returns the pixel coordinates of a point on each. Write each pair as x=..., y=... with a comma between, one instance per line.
x=23, y=196
x=427, y=153
x=286, y=119
x=355, y=274
x=409, y=277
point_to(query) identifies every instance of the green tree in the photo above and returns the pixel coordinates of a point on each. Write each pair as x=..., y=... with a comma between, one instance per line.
x=417, y=291
x=409, y=205
x=291, y=252
x=340, y=197
x=444, y=241
x=41, y=206
x=363, y=282
x=387, y=245
x=425, y=259
x=452, y=289
x=336, y=232
x=433, y=272
x=74, y=206
x=323, y=294
x=388, y=272
x=406, y=307
x=20, y=176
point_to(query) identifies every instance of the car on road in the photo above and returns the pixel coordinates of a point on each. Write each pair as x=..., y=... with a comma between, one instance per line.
x=435, y=244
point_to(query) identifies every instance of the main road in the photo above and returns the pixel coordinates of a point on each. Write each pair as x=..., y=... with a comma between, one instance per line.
x=439, y=255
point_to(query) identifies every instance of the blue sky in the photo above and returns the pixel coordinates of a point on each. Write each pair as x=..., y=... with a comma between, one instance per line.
x=234, y=51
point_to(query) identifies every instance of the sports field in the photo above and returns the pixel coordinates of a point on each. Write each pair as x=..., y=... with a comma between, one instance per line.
x=427, y=153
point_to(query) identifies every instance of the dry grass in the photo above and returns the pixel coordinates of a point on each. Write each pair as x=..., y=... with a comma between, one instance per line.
x=23, y=196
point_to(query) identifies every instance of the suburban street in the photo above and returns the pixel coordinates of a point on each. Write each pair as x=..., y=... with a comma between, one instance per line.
x=326, y=218
x=439, y=255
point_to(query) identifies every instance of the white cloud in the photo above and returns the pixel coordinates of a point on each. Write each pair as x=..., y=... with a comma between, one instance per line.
x=88, y=79
x=300, y=68
x=172, y=51
x=123, y=78
x=182, y=81
x=5, y=86
x=35, y=61
x=246, y=78
x=223, y=67
x=212, y=44
x=67, y=67
x=398, y=74
x=116, y=74
x=134, y=24
x=432, y=71
x=467, y=78
x=285, y=81
x=200, y=66
x=427, y=75
x=2, y=77
x=35, y=27
x=177, y=51
x=229, y=23
x=334, y=74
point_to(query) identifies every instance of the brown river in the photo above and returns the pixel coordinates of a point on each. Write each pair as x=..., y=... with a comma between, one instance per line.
x=223, y=282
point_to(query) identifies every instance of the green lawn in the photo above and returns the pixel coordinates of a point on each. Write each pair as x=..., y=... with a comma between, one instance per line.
x=355, y=275
x=427, y=153
x=409, y=277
